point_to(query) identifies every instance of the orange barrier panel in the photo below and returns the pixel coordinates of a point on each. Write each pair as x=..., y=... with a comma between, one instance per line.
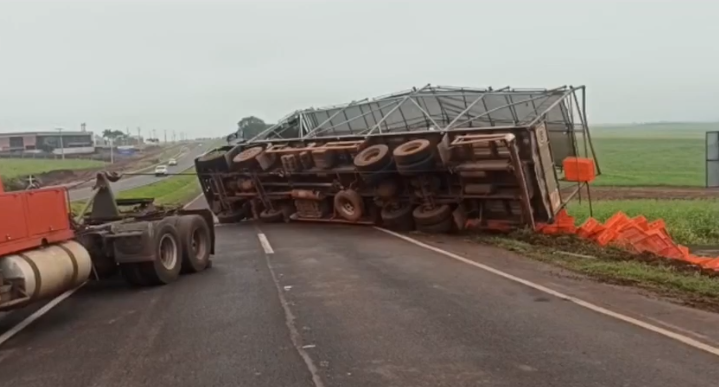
x=636, y=235
x=579, y=169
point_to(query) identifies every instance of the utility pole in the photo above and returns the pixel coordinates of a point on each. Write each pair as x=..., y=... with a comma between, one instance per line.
x=165, y=136
x=154, y=134
x=174, y=137
x=112, y=155
x=62, y=146
x=139, y=136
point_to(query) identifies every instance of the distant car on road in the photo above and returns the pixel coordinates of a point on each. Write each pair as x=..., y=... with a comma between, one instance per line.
x=161, y=170
x=172, y=162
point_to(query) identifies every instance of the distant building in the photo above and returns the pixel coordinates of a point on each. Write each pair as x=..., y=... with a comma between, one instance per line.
x=67, y=142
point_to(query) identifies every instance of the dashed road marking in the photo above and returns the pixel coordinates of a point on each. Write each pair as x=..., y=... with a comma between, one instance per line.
x=295, y=336
x=265, y=243
x=596, y=308
x=38, y=313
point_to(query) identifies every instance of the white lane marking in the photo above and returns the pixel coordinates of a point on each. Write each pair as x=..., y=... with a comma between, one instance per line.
x=38, y=313
x=295, y=336
x=265, y=243
x=194, y=200
x=596, y=308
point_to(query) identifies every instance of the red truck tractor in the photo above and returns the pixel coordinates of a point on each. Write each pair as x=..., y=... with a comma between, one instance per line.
x=45, y=251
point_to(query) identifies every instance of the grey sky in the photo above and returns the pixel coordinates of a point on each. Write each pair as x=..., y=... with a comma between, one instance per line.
x=201, y=66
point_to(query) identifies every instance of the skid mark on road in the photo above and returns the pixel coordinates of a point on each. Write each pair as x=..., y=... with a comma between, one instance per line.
x=289, y=316
x=596, y=308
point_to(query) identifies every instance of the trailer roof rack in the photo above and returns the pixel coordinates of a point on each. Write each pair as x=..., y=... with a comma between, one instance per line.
x=437, y=108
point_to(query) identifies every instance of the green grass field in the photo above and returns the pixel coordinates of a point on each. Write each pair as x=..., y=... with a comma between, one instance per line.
x=173, y=191
x=11, y=168
x=650, y=161
x=651, y=155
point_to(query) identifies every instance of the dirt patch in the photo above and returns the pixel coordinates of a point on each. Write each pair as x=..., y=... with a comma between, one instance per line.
x=624, y=193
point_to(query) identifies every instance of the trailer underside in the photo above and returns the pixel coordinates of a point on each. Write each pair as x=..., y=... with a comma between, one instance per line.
x=418, y=159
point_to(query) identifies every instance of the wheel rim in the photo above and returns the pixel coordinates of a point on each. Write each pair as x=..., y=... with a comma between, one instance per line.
x=348, y=208
x=198, y=244
x=168, y=252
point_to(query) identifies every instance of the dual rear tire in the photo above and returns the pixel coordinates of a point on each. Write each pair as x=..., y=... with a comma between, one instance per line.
x=430, y=220
x=181, y=245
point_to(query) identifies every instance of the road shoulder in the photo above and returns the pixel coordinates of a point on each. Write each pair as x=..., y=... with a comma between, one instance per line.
x=640, y=304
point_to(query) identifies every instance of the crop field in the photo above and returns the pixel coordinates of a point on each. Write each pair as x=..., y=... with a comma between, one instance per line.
x=11, y=168
x=651, y=155
x=658, y=171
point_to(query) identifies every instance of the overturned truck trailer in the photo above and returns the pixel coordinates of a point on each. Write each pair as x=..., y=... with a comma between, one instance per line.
x=435, y=159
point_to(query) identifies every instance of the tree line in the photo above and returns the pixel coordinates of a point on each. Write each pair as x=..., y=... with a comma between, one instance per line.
x=250, y=127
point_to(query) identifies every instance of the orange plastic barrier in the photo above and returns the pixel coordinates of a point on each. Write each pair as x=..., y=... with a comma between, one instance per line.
x=579, y=169
x=637, y=235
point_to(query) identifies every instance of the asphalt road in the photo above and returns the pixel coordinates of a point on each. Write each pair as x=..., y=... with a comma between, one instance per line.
x=315, y=305
x=184, y=162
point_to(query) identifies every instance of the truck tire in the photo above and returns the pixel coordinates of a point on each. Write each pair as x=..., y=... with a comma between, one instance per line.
x=247, y=156
x=271, y=215
x=412, y=152
x=442, y=227
x=349, y=205
x=373, y=158
x=230, y=217
x=168, y=262
x=398, y=217
x=424, y=216
x=195, y=240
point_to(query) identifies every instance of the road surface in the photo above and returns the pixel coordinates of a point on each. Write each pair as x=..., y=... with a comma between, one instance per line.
x=317, y=305
x=184, y=162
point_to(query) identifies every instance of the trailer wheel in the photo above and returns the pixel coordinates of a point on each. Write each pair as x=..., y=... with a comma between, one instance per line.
x=230, y=217
x=271, y=215
x=133, y=274
x=195, y=241
x=247, y=156
x=166, y=266
x=422, y=166
x=373, y=158
x=424, y=216
x=442, y=227
x=349, y=205
x=412, y=151
x=397, y=217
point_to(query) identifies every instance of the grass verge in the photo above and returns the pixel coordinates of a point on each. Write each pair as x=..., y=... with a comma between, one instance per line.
x=674, y=279
x=173, y=191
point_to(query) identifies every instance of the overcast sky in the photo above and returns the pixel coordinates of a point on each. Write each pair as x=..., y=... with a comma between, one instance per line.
x=200, y=66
